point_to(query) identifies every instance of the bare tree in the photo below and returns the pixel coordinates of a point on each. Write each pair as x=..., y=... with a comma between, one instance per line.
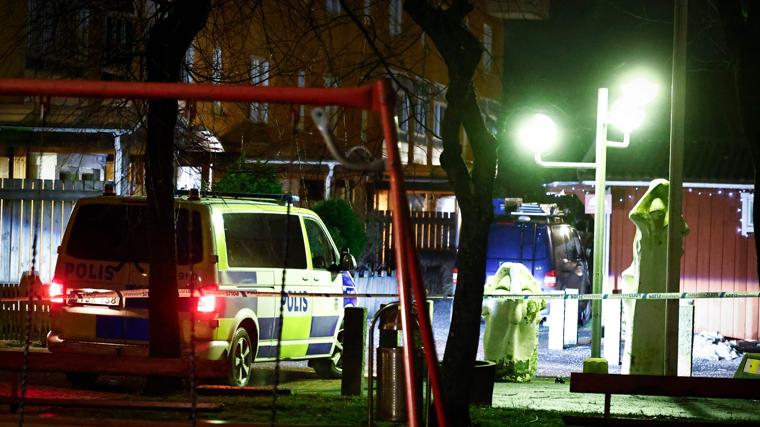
x=461, y=51
x=178, y=23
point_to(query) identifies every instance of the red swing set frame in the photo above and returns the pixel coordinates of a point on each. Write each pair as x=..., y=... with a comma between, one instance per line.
x=377, y=97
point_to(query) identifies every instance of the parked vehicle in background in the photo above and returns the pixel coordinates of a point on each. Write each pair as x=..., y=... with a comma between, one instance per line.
x=230, y=248
x=537, y=237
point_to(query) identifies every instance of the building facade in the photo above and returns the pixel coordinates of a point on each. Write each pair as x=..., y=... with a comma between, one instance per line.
x=299, y=44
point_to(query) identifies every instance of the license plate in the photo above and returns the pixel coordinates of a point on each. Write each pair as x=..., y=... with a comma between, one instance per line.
x=107, y=300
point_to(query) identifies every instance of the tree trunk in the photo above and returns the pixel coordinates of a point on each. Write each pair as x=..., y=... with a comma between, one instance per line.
x=168, y=40
x=461, y=51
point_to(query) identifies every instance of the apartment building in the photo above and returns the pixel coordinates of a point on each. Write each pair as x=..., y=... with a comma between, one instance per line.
x=290, y=43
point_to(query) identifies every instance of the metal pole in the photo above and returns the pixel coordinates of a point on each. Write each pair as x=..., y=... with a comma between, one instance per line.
x=408, y=273
x=675, y=191
x=599, y=239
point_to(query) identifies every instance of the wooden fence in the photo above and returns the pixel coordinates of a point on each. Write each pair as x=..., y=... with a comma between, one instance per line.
x=36, y=211
x=434, y=232
x=13, y=316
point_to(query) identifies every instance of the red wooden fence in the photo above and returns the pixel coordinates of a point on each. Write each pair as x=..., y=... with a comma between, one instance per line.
x=716, y=256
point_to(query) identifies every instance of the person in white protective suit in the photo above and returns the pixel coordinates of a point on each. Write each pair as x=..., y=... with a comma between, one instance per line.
x=511, y=336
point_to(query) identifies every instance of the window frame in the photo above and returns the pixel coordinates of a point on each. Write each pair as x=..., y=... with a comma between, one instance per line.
x=395, y=9
x=258, y=72
x=307, y=220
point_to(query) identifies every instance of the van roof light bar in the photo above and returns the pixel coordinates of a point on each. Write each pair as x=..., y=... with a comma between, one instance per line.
x=530, y=209
x=284, y=198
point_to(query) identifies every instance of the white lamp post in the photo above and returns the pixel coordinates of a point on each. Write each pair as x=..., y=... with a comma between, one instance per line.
x=539, y=133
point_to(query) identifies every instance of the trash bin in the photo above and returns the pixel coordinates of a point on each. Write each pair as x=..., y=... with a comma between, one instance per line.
x=391, y=384
x=511, y=335
x=391, y=404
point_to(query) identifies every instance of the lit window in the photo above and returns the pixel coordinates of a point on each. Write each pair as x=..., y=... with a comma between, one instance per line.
x=187, y=69
x=402, y=112
x=748, y=223
x=420, y=116
x=367, y=12
x=216, y=67
x=487, y=47
x=332, y=7
x=395, y=17
x=438, y=110
x=216, y=76
x=331, y=110
x=302, y=108
x=188, y=177
x=259, y=74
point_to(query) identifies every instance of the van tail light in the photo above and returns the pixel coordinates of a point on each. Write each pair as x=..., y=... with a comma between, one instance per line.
x=550, y=279
x=207, y=303
x=455, y=275
x=56, y=291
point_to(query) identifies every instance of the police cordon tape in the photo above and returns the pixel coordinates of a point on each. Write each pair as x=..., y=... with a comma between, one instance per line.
x=107, y=297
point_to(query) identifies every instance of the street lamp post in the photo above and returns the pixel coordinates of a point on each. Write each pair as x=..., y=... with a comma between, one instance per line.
x=599, y=238
x=627, y=115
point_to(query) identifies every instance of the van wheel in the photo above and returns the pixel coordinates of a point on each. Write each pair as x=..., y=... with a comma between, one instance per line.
x=332, y=367
x=82, y=379
x=241, y=358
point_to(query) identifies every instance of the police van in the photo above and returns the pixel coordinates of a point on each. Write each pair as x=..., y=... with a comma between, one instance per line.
x=232, y=248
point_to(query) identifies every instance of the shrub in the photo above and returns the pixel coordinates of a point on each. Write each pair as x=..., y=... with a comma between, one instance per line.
x=343, y=224
x=249, y=178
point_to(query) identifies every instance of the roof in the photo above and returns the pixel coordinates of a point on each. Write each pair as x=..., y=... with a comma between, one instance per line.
x=211, y=201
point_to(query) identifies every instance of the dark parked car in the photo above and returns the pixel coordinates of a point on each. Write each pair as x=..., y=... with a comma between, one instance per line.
x=537, y=236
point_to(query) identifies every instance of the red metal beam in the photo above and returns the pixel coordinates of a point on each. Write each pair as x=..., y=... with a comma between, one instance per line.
x=408, y=270
x=354, y=97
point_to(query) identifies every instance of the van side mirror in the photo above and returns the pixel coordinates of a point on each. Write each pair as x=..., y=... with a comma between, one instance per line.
x=347, y=261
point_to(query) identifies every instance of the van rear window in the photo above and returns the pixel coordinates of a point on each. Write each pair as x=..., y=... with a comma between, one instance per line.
x=110, y=232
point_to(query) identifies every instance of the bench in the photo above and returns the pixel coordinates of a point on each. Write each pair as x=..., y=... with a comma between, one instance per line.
x=13, y=361
x=656, y=385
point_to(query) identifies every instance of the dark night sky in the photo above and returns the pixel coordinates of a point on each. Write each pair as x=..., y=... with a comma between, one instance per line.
x=557, y=65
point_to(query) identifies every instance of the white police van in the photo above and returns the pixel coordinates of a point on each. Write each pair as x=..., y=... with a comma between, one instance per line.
x=232, y=246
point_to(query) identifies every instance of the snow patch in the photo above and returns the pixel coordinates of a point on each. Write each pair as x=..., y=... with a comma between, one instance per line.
x=714, y=346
